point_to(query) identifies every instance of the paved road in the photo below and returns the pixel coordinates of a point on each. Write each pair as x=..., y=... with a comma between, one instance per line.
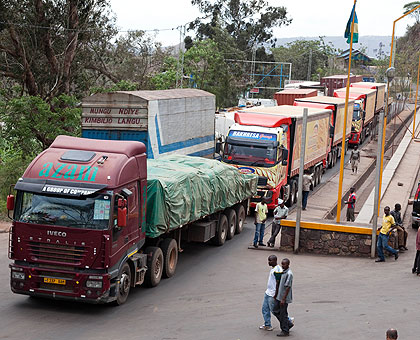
x=217, y=294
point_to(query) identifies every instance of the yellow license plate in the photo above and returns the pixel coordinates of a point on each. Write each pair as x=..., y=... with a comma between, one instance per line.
x=55, y=281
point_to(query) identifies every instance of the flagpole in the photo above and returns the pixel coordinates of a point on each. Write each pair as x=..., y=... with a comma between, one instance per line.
x=340, y=182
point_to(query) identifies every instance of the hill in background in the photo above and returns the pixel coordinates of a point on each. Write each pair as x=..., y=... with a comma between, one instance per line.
x=375, y=45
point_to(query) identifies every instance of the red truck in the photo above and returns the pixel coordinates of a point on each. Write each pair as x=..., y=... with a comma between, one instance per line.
x=364, y=118
x=94, y=218
x=266, y=141
x=337, y=107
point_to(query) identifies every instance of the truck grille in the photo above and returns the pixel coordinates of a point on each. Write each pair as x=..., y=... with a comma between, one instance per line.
x=56, y=253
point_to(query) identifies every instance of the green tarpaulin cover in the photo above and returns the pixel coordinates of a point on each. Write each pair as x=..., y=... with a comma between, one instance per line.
x=183, y=189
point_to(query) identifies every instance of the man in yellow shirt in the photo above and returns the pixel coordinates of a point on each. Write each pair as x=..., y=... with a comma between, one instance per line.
x=261, y=211
x=388, y=225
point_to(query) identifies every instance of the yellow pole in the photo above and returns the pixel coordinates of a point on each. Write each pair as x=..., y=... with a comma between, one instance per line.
x=340, y=182
x=415, y=103
x=391, y=58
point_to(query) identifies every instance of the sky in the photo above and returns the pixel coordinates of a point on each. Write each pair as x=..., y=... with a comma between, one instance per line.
x=310, y=18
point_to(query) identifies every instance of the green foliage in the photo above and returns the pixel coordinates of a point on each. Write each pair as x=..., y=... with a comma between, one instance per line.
x=411, y=5
x=299, y=54
x=248, y=22
x=31, y=123
x=123, y=85
x=166, y=78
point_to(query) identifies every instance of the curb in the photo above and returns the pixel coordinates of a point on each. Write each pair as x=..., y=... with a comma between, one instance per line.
x=333, y=211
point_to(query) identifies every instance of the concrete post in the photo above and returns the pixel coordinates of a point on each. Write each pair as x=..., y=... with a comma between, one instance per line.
x=300, y=183
x=377, y=185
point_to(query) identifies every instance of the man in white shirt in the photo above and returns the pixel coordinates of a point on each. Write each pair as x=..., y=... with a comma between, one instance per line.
x=306, y=186
x=280, y=213
x=268, y=302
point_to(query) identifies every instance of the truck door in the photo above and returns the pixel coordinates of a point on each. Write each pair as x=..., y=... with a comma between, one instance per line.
x=124, y=238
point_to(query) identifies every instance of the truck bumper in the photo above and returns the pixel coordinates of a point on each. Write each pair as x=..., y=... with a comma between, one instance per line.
x=354, y=140
x=60, y=285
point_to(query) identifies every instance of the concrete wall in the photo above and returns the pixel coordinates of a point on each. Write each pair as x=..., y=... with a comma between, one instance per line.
x=327, y=242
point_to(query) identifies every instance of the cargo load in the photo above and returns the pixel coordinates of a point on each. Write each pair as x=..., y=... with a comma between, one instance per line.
x=182, y=189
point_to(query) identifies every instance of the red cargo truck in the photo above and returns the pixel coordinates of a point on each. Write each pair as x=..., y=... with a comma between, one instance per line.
x=380, y=93
x=93, y=218
x=364, y=119
x=288, y=96
x=337, y=106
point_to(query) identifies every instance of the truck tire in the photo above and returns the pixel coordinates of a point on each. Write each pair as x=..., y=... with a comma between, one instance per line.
x=329, y=160
x=154, y=266
x=124, y=283
x=231, y=216
x=292, y=193
x=316, y=174
x=240, y=217
x=319, y=174
x=221, y=233
x=170, y=256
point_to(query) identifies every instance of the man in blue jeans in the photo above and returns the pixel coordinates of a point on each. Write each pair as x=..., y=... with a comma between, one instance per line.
x=388, y=225
x=269, y=297
x=261, y=211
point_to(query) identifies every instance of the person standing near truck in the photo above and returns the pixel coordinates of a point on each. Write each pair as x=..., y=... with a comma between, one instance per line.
x=402, y=233
x=306, y=186
x=280, y=212
x=351, y=203
x=283, y=298
x=261, y=211
x=355, y=159
x=269, y=295
x=388, y=225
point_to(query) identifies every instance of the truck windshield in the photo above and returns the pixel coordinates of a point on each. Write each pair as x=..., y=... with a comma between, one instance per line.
x=85, y=213
x=250, y=155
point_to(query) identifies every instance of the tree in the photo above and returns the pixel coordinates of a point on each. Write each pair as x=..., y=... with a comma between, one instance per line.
x=305, y=53
x=249, y=22
x=46, y=45
x=411, y=5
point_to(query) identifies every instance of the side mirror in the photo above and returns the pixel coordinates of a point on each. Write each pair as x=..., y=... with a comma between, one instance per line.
x=10, y=202
x=363, y=114
x=122, y=213
x=285, y=157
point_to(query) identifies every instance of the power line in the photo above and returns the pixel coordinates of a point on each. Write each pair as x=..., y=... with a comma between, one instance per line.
x=84, y=30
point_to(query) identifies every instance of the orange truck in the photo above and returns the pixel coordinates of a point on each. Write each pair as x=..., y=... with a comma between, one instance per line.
x=337, y=107
x=266, y=141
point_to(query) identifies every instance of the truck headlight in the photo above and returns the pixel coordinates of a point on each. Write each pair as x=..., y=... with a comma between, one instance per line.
x=94, y=284
x=18, y=275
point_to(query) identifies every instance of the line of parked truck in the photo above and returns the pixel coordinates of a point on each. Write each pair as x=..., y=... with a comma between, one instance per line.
x=95, y=216
x=266, y=140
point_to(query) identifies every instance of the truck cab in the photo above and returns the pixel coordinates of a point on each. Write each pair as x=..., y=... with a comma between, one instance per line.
x=364, y=119
x=258, y=144
x=78, y=214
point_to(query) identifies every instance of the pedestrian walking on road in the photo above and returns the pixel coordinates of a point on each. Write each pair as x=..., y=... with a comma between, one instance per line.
x=283, y=298
x=416, y=267
x=268, y=302
x=402, y=233
x=388, y=225
x=351, y=203
x=391, y=334
x=261, y=211
x=280, y=213
x=355, y=159
x=306, y=186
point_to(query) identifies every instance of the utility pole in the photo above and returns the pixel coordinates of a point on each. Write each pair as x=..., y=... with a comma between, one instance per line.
x=309, y=65
x=300, y=181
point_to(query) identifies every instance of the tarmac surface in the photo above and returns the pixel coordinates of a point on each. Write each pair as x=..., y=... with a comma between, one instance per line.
x=217, y=294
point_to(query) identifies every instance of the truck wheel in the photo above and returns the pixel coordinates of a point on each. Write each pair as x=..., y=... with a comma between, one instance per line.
x=170, y=256
x=221, y=233
x=231, y=216
x=124, y=283
x=329, y=160
x=316, y=175
x=154, y=266
x=292, y=193
x=240, y=217
x=319, y=174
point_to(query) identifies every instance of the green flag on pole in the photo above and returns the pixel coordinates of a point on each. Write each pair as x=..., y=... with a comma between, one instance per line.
x=347, y=33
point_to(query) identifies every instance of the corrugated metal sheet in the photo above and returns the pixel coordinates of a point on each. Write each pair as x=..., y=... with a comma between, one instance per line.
x=287, y=97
